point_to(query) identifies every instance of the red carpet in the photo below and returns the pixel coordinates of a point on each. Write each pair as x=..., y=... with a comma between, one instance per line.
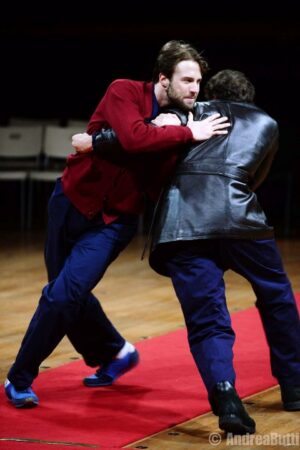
x=164, y=390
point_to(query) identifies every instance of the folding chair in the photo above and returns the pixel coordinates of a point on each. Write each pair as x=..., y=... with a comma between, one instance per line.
x=20, y=149
x=57, y=146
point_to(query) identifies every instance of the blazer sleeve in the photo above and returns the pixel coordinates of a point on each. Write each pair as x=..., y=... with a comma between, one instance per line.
x=122, y=107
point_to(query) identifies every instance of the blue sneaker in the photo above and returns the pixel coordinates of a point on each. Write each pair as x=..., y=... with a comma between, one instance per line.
x=20, y=399
x=108, y=373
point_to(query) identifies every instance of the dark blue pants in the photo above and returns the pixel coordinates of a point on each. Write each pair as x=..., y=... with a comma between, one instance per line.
x=77, y=254
x=197, y=272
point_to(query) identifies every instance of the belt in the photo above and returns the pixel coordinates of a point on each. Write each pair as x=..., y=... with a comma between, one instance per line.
x=216, y=168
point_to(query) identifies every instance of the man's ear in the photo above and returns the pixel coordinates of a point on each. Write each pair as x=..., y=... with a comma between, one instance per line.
x=164, y=81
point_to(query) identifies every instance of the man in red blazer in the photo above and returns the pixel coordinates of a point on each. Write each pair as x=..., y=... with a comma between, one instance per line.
x=93, y=214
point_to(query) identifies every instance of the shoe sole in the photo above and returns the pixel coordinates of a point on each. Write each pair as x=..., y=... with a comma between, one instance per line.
x=292, y=406
x=234, y=425
x=29, y=403
x=88, y=383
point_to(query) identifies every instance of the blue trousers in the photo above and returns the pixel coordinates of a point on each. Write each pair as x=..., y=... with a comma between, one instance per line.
x=77, y=254
x=197, y=272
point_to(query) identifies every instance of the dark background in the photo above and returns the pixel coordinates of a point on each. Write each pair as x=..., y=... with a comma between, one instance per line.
x=57, y=63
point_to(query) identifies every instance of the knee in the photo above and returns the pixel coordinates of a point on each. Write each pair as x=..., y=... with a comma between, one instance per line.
x=54, y=298
x=58, y=308
x=63, y=291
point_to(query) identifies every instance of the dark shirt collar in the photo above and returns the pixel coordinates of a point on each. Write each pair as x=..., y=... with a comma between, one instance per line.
x=155, y=107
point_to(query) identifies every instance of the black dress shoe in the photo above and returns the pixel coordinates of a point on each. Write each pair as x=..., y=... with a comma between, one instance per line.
x=225, y=403
x=290, y=396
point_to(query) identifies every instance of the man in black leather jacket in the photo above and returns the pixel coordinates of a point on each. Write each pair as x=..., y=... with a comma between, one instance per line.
x=208, y=221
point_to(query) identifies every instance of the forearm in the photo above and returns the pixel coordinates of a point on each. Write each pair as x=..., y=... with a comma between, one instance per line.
x=102, y=141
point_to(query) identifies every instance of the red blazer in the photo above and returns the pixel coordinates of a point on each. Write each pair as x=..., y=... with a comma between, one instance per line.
x=93, y=184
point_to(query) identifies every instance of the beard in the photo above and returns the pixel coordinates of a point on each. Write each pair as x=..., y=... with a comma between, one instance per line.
x=176, y=101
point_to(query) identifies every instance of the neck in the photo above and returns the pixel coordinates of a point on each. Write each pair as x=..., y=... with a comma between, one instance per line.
x=161, y=95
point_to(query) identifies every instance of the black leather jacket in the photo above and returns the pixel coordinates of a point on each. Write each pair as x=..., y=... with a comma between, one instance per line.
x=211, y=195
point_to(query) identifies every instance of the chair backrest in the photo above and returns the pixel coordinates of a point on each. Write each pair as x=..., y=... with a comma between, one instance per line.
x=30, y=121
x=80, y=124
x=20, y=142
x=58, y=141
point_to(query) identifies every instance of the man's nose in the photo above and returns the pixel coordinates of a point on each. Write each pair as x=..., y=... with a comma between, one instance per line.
x=194, y=88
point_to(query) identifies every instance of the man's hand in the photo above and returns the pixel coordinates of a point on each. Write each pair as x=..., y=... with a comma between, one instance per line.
x=82, y=142
x=166, y=119
x=206, y=128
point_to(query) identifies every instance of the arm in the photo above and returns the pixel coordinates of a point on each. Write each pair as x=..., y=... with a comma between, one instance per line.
x=105, y=141
x=122, y=105
x=125, y=106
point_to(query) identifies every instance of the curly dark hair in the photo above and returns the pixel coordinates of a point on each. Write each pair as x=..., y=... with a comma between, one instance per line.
x=172, y=53
x=230, y=85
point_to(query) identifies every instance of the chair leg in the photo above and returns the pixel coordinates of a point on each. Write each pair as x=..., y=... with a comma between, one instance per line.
x=22, y=204
x=29, y=204
x=288, y=205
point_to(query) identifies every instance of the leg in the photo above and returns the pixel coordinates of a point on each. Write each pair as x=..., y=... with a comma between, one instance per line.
x=65, y=224
x=57, y=246
x=198, y=283
x=92, y=334
x=66, y=297
x=260, y=263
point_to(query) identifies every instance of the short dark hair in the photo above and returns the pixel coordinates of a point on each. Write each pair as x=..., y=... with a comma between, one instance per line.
x=230, y=85
x=172, y=53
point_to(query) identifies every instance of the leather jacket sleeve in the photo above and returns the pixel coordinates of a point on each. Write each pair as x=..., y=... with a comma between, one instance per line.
x=107, y=145
x=105, y=139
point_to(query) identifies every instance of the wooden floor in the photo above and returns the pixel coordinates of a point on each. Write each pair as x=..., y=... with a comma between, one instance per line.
x=141, y=304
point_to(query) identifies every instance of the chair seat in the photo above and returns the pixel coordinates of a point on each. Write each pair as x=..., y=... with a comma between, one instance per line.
x=44, y=175
x=13, y=175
